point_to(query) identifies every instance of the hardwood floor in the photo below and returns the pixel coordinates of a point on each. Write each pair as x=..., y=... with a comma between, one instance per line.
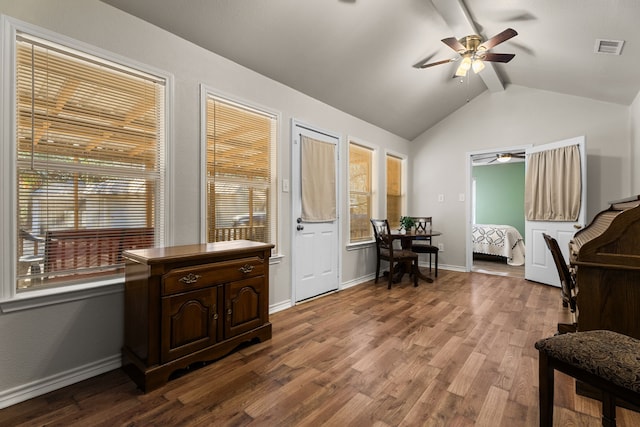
x=458, y=352
x=500, y=268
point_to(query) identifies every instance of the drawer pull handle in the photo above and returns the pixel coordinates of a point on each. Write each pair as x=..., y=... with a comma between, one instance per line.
x=190, y=279
x=247, y=268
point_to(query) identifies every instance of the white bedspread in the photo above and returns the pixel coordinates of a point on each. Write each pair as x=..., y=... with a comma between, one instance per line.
x=501, y=240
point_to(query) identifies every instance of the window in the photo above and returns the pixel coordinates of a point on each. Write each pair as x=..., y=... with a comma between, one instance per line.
x=240, y=182
x=360, y=193
x=88, y=140
x=394, y=190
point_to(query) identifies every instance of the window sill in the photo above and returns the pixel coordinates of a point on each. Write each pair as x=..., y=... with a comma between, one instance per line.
x=360, y=245
x=44, y=297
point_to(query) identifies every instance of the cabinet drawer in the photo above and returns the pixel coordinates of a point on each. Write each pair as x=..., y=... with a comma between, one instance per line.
x=190, y=278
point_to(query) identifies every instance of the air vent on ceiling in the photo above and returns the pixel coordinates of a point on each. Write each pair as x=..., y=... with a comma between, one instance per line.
x=609, y=47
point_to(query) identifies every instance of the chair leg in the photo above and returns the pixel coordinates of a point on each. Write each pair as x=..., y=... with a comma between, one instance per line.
x=377, y=270
x=436, y=254
x=390, y=275
x=545, y=390
x=415, y=272
x=608, y=410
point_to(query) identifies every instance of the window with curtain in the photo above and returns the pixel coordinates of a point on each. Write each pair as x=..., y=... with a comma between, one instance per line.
x=360, y=192
x=89, y=141
x=240, y=182
x=394, y=190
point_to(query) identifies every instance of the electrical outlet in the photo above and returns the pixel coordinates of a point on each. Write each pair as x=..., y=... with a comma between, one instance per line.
x=441, y=247
x=440, y=198
x=461, y=197
x=285, y=185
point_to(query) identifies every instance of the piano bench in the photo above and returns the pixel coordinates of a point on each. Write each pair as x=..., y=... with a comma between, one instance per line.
x=606, y=360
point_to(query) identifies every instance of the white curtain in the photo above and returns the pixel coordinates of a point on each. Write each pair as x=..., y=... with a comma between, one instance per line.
x=318, y=176
x=553, y=186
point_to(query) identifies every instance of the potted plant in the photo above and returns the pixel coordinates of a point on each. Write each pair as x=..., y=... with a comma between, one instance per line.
x=406, y=223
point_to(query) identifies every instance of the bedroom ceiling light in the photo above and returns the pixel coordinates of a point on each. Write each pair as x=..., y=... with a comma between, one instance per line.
x=504, y=158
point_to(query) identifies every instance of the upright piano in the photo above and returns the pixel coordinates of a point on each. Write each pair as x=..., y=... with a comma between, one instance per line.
x=606, y=258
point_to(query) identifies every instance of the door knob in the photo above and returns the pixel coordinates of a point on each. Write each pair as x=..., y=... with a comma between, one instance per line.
x=300, y=227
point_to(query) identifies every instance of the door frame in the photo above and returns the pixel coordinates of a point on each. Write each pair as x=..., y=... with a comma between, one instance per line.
x=295, y=187
x=469, y=199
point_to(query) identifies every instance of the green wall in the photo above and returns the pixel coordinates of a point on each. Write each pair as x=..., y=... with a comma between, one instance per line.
x=500, y=194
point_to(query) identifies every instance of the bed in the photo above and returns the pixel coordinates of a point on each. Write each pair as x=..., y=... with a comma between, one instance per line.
x=499, y=240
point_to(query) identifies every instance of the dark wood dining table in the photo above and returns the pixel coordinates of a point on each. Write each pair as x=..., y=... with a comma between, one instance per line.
x=406, y=240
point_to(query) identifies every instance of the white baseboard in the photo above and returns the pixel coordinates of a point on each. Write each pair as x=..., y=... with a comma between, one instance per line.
x=54, y=382
x=283, y=305
x=357, y=281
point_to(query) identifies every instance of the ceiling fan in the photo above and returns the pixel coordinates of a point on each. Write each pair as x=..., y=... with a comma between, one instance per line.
x=500, y=157
x=474, y=52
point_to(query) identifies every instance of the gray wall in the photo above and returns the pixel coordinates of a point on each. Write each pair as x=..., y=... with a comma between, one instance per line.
x=500, y=194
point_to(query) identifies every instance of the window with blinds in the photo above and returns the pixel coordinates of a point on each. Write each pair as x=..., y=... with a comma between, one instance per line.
x=360, y=192
x=394, y=190
x=89, y=161
x=240, y=155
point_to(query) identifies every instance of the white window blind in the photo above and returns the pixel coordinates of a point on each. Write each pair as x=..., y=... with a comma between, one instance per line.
x=240, y=153
x=360, y=193
x=394, y=190
x=90, y=138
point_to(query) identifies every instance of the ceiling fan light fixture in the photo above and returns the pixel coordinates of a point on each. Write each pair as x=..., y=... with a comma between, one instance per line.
x=478, y=66
x=504, y=158
x=464, y=66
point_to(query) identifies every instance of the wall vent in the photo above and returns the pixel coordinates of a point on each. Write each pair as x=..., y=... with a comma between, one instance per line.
x=609, y=47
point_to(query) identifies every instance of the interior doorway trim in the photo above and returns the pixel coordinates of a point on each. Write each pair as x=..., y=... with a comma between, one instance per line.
x=470, y=199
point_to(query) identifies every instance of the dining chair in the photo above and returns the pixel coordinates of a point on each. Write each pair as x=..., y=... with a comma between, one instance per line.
x=386, y=251
x=422, y=244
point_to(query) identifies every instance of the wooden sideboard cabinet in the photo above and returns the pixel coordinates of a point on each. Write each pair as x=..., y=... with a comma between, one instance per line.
x=193, y=303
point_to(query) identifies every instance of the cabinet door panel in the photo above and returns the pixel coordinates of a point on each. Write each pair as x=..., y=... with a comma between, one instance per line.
x=189, y=323
x=245, y=305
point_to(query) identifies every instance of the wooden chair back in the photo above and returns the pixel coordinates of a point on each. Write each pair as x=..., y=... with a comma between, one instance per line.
x=423, y=224
x=567, y=280
x=380, y=230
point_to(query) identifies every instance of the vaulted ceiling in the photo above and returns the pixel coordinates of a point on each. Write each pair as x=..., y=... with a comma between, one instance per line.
x=359, y=55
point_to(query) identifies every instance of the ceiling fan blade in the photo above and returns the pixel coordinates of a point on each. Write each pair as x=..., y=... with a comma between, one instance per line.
x=497, y=57
x=445, y=61
x=454, y=44
x=498, y=38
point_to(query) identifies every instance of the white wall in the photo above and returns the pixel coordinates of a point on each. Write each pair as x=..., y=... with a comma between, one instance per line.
x=635, y=145
x=518, y=116
x=48, y=347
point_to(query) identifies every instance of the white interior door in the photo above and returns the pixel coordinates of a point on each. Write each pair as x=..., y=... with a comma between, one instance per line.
x=539, y=264
x=315, y=244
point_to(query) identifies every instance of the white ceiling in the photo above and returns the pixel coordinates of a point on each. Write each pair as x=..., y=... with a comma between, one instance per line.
x=358, y=55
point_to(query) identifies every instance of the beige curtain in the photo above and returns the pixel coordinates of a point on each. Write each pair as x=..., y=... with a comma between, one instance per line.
x=318, y=176
x=553, y=186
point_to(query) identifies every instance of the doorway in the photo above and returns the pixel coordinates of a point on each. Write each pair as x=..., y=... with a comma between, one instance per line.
x=496, y=226
x=315, y=205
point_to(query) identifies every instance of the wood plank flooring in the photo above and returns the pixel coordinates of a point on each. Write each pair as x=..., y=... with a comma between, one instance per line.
x=458, y=352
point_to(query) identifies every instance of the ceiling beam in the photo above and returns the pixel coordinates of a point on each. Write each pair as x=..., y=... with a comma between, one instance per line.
x=456, y=16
